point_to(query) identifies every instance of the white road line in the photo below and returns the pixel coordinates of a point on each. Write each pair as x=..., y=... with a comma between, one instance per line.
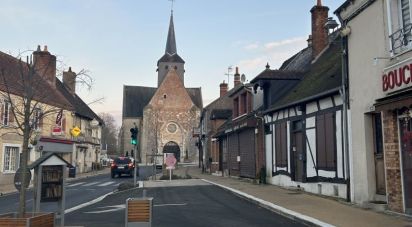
x=87, y=204
x=92, y=183
x=105, y=184
x=75, y=184
x=171, y=204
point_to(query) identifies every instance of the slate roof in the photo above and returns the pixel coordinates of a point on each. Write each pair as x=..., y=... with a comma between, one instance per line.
x=323, y=77
x=10, y=67
x=269, y=74
x=136, y=98
x=170, y=58
x=220, y=114
x=44, y=158
x=299, y=62
x=80, y=107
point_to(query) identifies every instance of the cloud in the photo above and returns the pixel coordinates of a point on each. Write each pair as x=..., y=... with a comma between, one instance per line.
x=276, y=44
x=274, y=53
x=251, y=46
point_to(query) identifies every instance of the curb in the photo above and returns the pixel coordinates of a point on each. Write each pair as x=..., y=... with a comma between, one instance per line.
x=304, y=219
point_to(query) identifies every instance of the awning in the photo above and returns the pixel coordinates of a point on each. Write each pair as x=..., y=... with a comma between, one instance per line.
x=394, y=102
x=55, y=145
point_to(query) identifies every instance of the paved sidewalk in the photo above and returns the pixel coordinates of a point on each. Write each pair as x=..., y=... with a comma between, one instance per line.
x=9, y=188
x=297, y=204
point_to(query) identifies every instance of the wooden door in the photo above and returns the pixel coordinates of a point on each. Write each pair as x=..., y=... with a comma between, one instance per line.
x=298, y=151
x=378, y=154
x=406, y=145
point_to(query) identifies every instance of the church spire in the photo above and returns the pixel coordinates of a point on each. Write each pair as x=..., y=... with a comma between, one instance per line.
x=171, y=39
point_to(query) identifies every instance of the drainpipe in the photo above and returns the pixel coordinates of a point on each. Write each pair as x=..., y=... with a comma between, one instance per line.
x=345, y=31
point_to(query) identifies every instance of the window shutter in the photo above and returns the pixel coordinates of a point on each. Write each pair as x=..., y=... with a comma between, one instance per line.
x=284, y=145
x=11, y=116
x=330, y=140
x=278, y=146
x=41, y=117
x=320, y=141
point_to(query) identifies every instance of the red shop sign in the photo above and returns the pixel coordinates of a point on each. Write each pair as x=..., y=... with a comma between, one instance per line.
x=397, y=77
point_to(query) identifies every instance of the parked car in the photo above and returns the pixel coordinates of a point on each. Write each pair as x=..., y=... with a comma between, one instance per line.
x=123, y=165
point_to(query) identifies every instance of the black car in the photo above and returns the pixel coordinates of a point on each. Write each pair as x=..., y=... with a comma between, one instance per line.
x=123, y=165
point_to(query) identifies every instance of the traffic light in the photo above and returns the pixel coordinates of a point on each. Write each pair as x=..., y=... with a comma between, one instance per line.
x=134, y=131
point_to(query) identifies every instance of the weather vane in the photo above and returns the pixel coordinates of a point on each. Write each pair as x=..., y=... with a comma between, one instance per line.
x=173, y=1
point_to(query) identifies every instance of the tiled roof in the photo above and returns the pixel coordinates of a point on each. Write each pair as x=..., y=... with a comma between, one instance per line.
x=80, y=107
x=220, y=114
x=13, y=83
x=136, y=98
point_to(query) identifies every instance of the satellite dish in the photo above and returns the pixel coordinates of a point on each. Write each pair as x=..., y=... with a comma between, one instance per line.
x=243, y=78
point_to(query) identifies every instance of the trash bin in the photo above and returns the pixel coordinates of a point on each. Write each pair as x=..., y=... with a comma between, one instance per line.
x=72, y=172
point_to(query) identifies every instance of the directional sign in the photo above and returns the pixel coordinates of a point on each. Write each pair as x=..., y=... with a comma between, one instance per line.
x=75, y=131
x=17, y=179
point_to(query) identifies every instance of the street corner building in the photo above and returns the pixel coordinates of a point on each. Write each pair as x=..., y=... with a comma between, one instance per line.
x=377, y=36
x=165, y=115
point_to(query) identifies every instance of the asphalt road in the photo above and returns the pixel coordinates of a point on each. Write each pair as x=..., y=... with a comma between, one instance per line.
x=196, y=205
x=78, y=191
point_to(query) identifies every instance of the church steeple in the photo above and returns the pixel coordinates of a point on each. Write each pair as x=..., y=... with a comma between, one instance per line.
x=170, y=60
x=171, y=39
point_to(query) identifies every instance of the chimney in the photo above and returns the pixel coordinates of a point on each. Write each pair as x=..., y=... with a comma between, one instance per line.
x=69, y=80
x=236, y=79
x=319, y=33
x=223, y=88
x=45, y=65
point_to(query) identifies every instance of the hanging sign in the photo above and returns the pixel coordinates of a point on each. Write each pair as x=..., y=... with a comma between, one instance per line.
x=75, y=131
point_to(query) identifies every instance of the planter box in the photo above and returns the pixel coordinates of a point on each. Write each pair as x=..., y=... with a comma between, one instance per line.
x=29, y=220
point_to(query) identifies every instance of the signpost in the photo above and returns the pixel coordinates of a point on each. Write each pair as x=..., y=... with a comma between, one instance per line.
x=170, y=163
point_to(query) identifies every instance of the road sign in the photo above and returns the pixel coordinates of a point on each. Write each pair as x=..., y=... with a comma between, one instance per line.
x=170, y=161
x=17, y=179
x=75, y=131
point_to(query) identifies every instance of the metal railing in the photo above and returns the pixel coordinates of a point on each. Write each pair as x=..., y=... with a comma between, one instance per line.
x=401, y=39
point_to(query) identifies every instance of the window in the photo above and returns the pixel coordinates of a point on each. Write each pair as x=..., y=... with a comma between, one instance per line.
x=400, y=25
x=281, y=152
x=236, y=107
x=377, y=132
x=243, y=103
x=6, y=113
x=37, y=119
x=326, y=141
x=11, y=158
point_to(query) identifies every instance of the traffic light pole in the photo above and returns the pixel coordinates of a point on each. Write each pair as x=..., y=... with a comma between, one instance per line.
x=135, y=165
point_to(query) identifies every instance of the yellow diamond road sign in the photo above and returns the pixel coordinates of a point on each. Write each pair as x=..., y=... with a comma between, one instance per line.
x=75, y=131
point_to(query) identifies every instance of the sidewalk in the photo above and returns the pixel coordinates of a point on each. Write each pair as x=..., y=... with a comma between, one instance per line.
x=299, y=204
x=9, y=188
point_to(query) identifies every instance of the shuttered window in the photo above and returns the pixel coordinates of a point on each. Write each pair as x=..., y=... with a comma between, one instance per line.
x=326, y=141
x=11, y=159
x=5, y=113
x=281, y=145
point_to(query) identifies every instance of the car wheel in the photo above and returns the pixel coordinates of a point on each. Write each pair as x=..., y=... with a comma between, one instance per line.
x=112, y=175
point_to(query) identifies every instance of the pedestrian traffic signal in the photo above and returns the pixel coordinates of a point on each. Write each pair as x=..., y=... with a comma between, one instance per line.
x=134, y=131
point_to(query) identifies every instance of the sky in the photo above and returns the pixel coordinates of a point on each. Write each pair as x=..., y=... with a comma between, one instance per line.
x=120, y=41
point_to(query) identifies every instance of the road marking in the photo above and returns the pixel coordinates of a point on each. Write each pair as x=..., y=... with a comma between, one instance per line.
x=278, y=209
x=87, y=204
x=92, y=183
x=105, y=184
x=112, y=209
x=72, y=185
x=171, y=204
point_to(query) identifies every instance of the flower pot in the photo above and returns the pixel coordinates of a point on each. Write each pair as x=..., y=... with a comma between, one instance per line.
x=29, y=220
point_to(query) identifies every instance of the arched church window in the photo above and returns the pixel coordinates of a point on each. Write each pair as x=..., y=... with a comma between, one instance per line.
x=164, y=96
x=166, y=67
x=175, y=67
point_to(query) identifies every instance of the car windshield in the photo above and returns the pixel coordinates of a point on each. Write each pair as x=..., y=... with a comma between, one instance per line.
x=122, y=160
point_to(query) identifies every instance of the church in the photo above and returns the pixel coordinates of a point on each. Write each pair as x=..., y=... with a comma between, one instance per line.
x=164, y=115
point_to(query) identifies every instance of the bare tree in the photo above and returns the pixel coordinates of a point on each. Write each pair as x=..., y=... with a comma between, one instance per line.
x=109, y=133
x=28, y=90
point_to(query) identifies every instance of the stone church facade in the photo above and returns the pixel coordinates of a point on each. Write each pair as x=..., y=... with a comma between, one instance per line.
x=164, y=115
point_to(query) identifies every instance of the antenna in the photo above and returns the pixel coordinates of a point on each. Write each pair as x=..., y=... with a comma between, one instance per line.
x=229, y=70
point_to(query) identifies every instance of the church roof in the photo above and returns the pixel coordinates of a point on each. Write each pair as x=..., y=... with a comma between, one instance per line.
x=171, y=50
x=136, y=98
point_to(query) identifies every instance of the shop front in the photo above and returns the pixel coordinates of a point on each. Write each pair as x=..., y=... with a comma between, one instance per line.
x=396, y=109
